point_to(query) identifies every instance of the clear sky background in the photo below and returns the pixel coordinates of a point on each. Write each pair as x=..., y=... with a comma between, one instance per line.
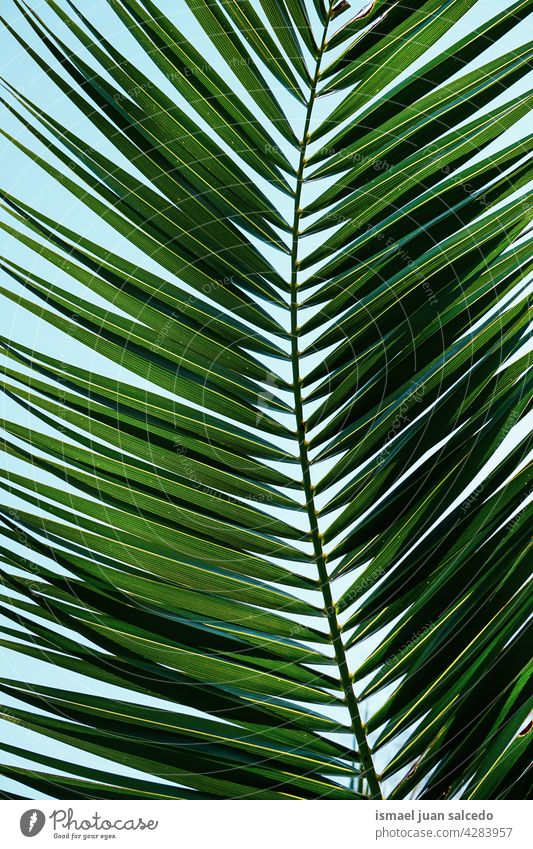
x=25, y=180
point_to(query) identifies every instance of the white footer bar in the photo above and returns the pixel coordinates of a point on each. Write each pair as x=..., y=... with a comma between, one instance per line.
x=266, y=825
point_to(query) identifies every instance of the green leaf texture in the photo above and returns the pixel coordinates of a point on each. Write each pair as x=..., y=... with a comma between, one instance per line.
x=264, y=521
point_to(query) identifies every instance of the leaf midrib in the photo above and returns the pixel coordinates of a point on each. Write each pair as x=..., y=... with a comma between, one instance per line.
x=367, y=764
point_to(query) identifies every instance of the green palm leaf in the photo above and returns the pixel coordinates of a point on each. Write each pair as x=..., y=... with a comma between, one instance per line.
x=267, y=459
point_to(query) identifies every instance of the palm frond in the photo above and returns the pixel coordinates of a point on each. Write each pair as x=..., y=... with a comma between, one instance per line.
x=269, y=474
